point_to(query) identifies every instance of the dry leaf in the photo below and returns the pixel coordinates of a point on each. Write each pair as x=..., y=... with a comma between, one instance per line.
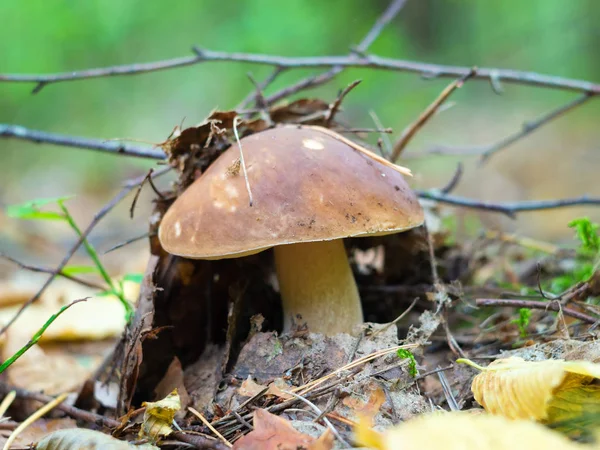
x=464, y=431
x=367, y=410
x=271, y=432
x=159, y=416
x=250, y=388
x=42, y=427
x=82, y=439
x=547, y=391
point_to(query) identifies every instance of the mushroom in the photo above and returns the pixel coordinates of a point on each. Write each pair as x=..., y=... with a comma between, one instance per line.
x=311, y=189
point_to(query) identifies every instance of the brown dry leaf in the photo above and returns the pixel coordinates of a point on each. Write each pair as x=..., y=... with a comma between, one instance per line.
x=367, y=410
x=159, y=416
x=274, y=433
x=250, y=388
x=547, y=391
x=464, y=431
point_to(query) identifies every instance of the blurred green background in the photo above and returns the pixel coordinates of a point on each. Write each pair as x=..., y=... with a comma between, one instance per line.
x=549, y=36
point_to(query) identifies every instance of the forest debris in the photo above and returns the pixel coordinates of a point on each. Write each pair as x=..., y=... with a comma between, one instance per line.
x=159, y=416
x=79, y=438
x=277, y=388
x=463, y=430
x=548, y=391
x=173, y=380
x=367, y=409
x=275, y=433
x=42, y=427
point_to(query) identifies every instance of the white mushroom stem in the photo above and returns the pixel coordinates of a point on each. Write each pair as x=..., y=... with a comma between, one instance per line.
x=316, y=282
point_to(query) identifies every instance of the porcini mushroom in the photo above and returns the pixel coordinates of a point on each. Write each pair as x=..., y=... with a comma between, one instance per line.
x=311, y=189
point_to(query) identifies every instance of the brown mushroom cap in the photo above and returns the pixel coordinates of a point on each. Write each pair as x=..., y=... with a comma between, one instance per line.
x=306, y=185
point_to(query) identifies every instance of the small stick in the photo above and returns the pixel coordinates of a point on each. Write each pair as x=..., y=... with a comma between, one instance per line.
x=458, y=173
x=387, y=142
x=7, y=401
x=237, y=138
x=412, y=129
x=397, y=319
x=207, y=423
x=32, y=418
x=533, y=304
x=48, y=270
x=319, y=413
x=335, y=106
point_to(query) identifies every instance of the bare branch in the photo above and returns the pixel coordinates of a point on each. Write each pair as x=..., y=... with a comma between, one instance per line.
x=335, y=106
x=509, y=208
x=259, y=88
x=38, y=269
x=337, y=62
x=316, y=80
x=97, y=217
x=412, y=129
x=487, y=151
x=534, y=304
x=39, y=137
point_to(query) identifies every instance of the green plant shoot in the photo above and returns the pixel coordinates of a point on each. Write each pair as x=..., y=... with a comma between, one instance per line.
x=31, y=211
x=412, y=363
x=587, y=233
x=37, y=336
x=523, y=321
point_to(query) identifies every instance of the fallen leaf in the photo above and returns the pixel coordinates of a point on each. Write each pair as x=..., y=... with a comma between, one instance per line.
x=272, y=432
x=546, y=391
x=367, y=410
x=42, y=427
x=79, y=438
x=250, y=388
x=159, y=416
x=464, y=431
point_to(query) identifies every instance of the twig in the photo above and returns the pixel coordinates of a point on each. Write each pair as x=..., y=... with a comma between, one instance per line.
x=138, y=191
x=458, y=173
x=39, y=137
x=129, y=241
x=48, y=270
x=397, y=319
x=390, y=12
x=32, y=418
x=259, y=88
x=242, y=162
x=338, y=62
x=37, y=336
x=533, y=304
x=412, y=129
x=198, y=441
x=386, y=151
x=210, y=427
x=316, y=409
x=6, y=402
x=335, y=106
x=487, y=151
x=96, y=219
x=508, y=208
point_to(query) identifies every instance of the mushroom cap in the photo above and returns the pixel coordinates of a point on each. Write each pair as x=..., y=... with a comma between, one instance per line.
x=306, y=186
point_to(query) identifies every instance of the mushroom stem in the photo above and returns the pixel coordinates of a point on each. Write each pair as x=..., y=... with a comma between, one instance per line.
x=316, y=281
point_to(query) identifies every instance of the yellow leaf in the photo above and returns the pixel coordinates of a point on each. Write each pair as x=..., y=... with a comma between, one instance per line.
x=462, y=430
x=159, y=416
x=546, y=391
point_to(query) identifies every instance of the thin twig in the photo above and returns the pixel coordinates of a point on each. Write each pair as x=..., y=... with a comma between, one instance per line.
x=32, y=418
x=242, y=162
x=138, y=191
x=259, y=88
x=210, y=427
x=129, y=241
x=386, y=17
x=458, y=173
x=387, y=148
x=357, y=59
x=48, y=270
x=412, y=129
x=397, y=319
x=508, y=208
x=43, y=137
x=533, y=304
x=487, y=151
x=335, y=106
x=132, y=184
x=316, y=409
